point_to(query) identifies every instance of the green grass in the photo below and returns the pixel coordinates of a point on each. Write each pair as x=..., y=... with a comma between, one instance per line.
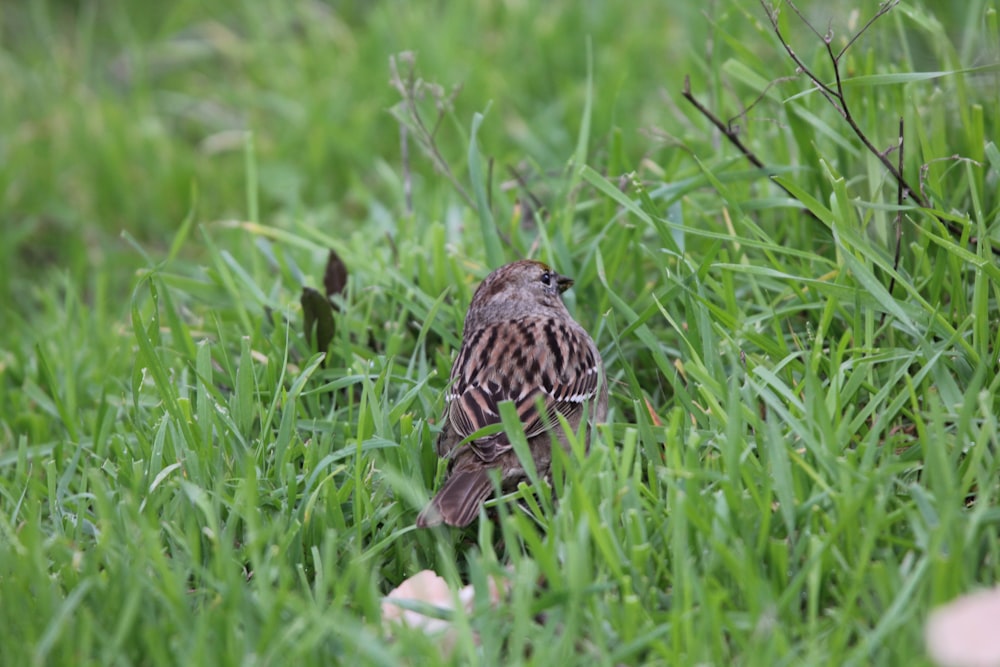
x=801, y=458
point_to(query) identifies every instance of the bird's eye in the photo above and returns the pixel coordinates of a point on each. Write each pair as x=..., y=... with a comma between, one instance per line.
x=546, y=278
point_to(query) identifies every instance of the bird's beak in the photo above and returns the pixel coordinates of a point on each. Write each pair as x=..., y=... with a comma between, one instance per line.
x=563, y=283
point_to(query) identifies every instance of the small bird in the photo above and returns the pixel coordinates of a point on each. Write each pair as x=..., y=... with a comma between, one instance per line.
x=520, y=344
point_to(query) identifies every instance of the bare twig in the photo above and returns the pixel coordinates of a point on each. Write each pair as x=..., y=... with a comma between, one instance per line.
x=731, y=134
x=444, y=106
x=757, y=100
x=522, y=183
x=723, y=127
x=489, y=182
x=883, y=9
x=926, y=167
x=826, y=37
x=407, y=112
x=835, y=96
x=900, y=196
x=404, y=158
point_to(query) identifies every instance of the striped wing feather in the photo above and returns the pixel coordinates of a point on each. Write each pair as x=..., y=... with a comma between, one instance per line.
x=523, y=361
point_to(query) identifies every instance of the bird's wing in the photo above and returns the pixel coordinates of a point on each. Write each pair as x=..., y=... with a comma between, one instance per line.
x=525, y=361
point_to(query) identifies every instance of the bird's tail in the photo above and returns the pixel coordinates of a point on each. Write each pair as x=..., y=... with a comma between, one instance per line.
x=459, y=500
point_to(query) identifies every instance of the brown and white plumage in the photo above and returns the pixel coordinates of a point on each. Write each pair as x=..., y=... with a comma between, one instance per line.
x=520, y=344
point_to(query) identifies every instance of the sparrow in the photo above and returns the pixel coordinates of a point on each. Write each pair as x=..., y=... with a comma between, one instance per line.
x=519, y=344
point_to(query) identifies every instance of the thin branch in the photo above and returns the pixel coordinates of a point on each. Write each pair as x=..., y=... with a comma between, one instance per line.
x=839, y=101
x=835, y=96
x=757, y=100
x=522, y=182
x=444, y=105
x=826, y=37
x=404, y=157
x=731, y=135
x=926, y=167
x=883, y=9
x=900, y=196
x=411, y=89
x=723, y=127
x=489, y=183
x=772, y=15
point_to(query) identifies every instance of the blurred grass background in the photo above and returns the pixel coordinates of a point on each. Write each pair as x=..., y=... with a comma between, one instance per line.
x=115, y=114
x=800, y=462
